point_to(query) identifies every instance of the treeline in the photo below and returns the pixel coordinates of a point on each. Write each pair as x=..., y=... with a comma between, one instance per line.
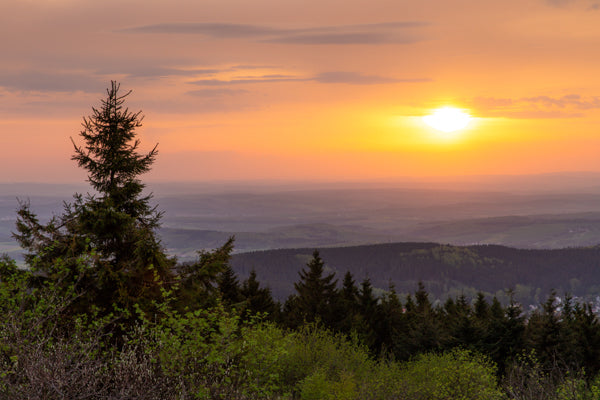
x=208, y=353
x=446, y=270
x=563, y=334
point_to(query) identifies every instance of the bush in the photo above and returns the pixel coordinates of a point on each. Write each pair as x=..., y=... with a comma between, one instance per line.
x=458, y=374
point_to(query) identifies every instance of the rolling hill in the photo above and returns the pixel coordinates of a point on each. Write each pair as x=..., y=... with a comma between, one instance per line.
x=446, y=270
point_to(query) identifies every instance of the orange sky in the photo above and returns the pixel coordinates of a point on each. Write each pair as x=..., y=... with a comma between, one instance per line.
x=306, y=89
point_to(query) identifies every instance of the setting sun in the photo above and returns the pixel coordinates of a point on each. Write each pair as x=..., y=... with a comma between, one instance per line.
x=447, y=119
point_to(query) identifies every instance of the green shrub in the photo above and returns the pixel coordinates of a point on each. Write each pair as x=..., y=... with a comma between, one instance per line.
x=457, y=375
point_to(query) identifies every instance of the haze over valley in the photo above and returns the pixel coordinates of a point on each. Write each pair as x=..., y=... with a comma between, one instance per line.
x=535, y=211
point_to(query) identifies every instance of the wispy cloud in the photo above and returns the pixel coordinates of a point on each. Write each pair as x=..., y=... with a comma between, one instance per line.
x=592, y=5
x=570, y=100
x=214, y=93
x=159, y=72
x=214, y=30
x=238, y=81
x=360, y=79
x=558, y=3
x=345, y=77
x=567, y=106
x=389, y=32
x=48, y=81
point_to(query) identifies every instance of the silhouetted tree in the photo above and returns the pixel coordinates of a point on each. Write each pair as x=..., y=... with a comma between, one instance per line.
x=369, y=314
x=229, y=287
x=257, y=300
x=348, y=307
x=315, y=295
x=107, y=239
x=391, y=325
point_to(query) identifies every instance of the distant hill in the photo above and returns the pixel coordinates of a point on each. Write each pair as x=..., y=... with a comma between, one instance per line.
x=537, y=212
x=446, y=270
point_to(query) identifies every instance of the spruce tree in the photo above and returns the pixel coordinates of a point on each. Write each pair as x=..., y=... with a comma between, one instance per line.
x=105, y=241
x=257, y=300
x=315, y=295
x=348, y=306
x=229, y=287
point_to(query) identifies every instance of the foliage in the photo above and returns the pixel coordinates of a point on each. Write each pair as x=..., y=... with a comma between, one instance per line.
x=315, y=296
x=199, y=281
x=458, y=374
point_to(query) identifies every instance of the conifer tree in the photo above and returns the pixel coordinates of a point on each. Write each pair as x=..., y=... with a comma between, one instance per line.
x=369, y=313
x=229, y=287
x=257, y=300
x=348, y=304
x=315, y=294
x=107, y=239
x=392, y=326
x=349, y=290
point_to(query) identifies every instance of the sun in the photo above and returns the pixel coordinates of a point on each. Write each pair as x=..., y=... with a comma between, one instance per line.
x=447, y=119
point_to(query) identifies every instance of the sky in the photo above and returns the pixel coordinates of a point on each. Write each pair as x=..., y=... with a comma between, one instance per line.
x=305, y=89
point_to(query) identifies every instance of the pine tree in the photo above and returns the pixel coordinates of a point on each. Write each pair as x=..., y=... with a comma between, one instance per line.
x=315, y=295
x=106, y=240
x=229, y=287
x=348, y=307
x=369, y=314
x=392, y=326
x=257, y=300
x=425, y=331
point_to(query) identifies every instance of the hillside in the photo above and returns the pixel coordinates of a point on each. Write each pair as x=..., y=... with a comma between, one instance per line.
x=445, y=270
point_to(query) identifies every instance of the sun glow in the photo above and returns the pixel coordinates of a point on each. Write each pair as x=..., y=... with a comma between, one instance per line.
x=447, y=119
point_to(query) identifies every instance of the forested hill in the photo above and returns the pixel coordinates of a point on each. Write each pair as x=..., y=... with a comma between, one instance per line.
x=444, y=269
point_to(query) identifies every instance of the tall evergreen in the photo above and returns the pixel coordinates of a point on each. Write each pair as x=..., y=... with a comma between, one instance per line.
x=369, y=313
x=229, y=287
x=391, y=324
x=425, y=333
x=105, y=240
x=315, y=295
x=257, y=300
x=348, y=306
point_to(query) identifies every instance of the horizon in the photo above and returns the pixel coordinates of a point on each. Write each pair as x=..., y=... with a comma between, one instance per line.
x=542, y=182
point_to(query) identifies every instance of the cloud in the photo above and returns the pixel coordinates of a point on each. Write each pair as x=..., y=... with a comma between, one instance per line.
x=567, y=106
x=161, y=72
x=389, y=32
x=214, y=30
x=150, y=71
x=359, y=79
x=44, y=81
x=236, y=81
x=248, y=66
x=93, y=81
x=351, y=78
x=213, y=93
x=570, y=100
x=594, y=6
x=338, y=38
